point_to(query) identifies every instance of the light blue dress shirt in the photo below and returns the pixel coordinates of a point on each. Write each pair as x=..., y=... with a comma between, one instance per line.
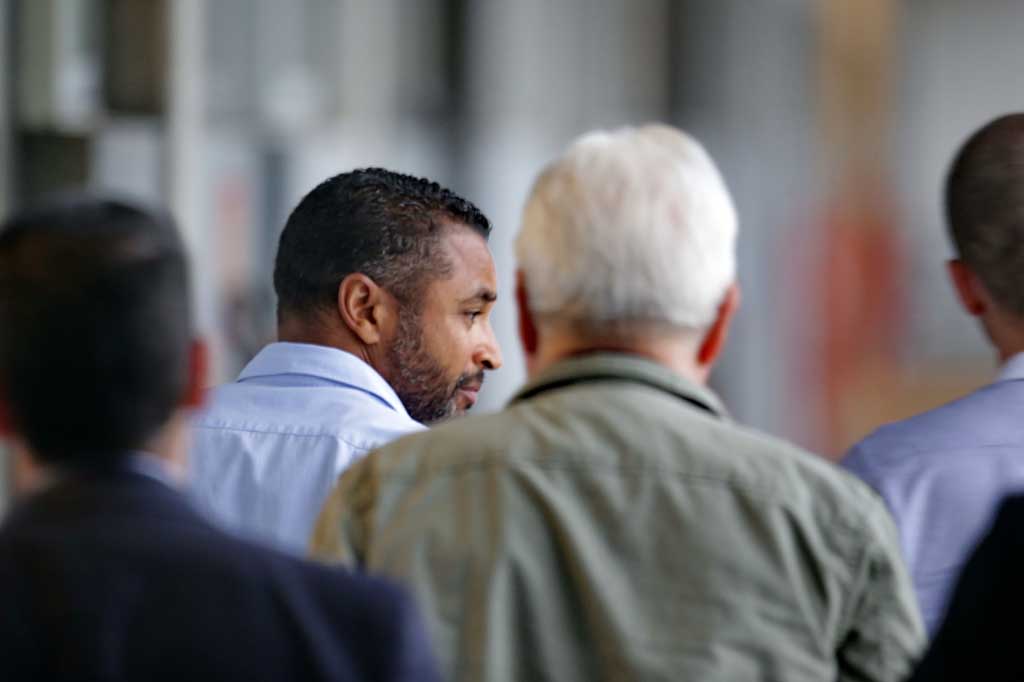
x=942, y=475
x=268, y=448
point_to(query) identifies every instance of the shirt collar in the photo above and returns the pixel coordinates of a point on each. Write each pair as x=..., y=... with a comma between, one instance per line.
x=625, y=367
x=322, y=362
x=1013, y=368
x=134, y=462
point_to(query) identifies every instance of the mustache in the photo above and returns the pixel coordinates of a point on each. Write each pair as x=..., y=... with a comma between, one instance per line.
x=473, y=380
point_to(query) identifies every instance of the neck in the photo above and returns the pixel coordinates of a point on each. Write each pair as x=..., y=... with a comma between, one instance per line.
x=1006, y=331
x=291, y=330
x=674, y=349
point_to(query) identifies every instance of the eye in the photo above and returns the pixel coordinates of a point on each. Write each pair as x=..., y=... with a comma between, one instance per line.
x=471, y=315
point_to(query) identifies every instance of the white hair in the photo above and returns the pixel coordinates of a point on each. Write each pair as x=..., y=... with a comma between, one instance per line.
x=634, y=224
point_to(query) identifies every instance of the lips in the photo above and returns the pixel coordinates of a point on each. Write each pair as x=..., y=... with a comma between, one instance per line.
x=467, y=390
x=468, y=395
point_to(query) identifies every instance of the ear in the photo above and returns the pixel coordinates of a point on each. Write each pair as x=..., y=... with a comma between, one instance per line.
x=198, y=373
x=527, y=325
x=714, y=340
x=364, y=307
x=969, y=289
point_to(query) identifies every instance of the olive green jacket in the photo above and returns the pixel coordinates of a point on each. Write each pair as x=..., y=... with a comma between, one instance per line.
x=613, y=524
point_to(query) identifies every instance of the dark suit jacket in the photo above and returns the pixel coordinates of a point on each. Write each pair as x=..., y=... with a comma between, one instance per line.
x=115, y=577
x=980, y=636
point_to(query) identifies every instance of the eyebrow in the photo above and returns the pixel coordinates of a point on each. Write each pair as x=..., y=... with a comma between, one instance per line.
x=483, y=294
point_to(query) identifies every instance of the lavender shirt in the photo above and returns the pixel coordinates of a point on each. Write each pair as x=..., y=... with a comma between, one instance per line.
x=269, y=447
x=943, y=474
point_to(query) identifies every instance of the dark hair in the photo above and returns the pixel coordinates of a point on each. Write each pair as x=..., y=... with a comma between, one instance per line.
x=95, y=327
x=383, y=224
x=985, y=208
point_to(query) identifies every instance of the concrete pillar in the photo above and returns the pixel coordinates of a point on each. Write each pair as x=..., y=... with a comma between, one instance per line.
x=185, y=167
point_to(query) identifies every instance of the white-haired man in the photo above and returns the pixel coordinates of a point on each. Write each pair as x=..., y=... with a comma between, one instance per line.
x=612, y=523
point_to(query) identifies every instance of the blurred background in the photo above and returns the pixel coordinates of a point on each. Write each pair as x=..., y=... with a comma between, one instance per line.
x=833, y=122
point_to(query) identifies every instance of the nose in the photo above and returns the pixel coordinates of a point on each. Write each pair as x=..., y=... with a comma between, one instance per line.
x=488, y=354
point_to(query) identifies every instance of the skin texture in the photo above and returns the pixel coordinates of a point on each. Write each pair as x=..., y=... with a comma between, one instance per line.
x=439, y=348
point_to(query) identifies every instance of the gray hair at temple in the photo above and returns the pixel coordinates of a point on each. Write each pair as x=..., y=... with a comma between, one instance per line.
x=630, y=225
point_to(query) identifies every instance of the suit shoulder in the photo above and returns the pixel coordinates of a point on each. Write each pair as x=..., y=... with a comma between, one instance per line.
x=340, y=586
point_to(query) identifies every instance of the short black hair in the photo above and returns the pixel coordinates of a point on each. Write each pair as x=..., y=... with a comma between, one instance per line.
x=95, y=327
x=985, y=208
x=373, y=221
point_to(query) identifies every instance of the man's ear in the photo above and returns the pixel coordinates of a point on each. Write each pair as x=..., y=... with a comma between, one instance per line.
x=527, y=325
x=198, y=374
x=364, y=307
x=969, y=289
x=714, y=340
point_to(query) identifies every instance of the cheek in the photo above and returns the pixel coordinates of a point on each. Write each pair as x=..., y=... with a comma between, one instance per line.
x=451, y=347
x=459, y=352
x=460, y=357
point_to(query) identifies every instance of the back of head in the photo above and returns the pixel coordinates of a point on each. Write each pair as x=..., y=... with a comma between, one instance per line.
x=95, y=328
x=985, y=208
x=632, y=225
x=385, y=225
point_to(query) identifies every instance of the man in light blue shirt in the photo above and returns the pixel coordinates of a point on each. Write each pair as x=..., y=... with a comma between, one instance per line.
x=943, y=473
x=385, y=286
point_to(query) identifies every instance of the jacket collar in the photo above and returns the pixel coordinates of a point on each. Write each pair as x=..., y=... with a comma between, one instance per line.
x=594, y=367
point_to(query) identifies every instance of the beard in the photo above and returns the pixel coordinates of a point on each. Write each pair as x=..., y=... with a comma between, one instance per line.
x=418, y=378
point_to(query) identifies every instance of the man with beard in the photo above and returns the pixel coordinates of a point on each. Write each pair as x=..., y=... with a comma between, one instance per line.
x=385, y=286
x=613, y=523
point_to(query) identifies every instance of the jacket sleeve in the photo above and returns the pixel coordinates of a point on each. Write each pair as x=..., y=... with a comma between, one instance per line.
x=342, y=531
x=20, y=653
x=885, y=634
x=412, y=658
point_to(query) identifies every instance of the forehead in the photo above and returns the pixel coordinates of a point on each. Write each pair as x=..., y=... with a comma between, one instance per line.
x=471, y=267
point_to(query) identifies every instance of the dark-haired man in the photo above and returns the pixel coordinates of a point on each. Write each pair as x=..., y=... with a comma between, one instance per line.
x=613, y=523
x=944, y=472
x=385, y=286
x=107, y=572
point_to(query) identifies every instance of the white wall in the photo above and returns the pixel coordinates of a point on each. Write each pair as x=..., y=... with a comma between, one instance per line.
x=964, y=65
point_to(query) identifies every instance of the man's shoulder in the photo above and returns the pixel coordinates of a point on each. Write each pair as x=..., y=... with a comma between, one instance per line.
x=338, y=588
x=985, y=417
x=705, y=450
x=804, y=481
x=232, y=582
x=160, y=541
x=347, y=414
